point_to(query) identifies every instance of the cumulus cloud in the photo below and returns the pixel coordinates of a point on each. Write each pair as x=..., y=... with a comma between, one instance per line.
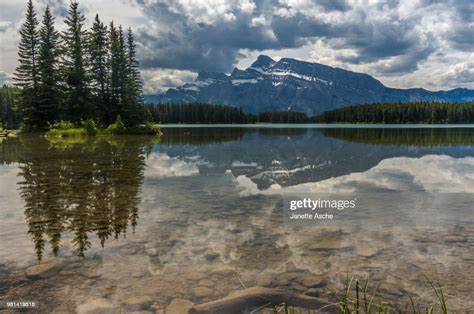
x=462, y=73
x=162, y=166
x=392, y=40
x=59, y=8
x=430, y=173
x=163, y=79
x=388, y=37
x=5, y=78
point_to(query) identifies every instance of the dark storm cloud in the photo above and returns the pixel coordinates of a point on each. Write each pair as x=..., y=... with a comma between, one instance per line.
x=334, y=5
x=186, y=44
x=208, y=36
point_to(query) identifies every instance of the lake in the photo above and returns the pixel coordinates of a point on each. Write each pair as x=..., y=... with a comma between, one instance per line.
x=138, y=223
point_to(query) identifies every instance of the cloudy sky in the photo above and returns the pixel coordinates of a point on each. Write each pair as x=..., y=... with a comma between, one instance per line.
x=403, y=43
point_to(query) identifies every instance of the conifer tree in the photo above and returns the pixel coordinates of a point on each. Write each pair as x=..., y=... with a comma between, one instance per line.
x=75, y=66
x=133, y=99
x=99, y=49
x=122, y=68
x=48, y=88
x=114, y=75
x=26, y=75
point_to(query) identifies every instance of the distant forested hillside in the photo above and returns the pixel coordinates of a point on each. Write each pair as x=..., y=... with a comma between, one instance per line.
x=401, y=113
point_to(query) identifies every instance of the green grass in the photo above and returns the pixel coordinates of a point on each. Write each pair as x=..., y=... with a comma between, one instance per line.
x=63, y=129
x=359, y=298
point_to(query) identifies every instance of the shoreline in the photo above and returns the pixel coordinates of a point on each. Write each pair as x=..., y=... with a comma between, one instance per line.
x=320, y=126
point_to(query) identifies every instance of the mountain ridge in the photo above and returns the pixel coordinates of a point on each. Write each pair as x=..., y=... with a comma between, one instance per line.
x=295, y=85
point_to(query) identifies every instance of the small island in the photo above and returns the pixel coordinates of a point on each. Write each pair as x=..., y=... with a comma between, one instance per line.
x=77, y=82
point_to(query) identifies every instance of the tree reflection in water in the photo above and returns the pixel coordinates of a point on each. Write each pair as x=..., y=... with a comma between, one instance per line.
x=79, y=187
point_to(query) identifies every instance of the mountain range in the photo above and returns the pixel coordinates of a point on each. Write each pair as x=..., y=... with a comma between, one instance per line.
x=294, y=85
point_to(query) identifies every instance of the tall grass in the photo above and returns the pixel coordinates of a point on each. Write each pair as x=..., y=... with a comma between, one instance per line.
x=359, y=298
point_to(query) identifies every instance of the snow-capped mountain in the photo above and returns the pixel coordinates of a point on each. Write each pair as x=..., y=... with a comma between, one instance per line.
x=290, y=84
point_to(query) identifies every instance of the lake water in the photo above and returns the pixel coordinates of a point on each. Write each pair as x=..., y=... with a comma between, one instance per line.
x=136, y=223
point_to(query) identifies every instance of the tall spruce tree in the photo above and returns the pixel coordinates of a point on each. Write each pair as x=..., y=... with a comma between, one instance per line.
x=26, y=75
x=99, y=53
x=114, y=75
x=122, y=68
x=75, y=45
x=48, y=87
x=133, y=99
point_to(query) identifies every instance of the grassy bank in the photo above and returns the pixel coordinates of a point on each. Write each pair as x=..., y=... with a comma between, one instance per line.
x=91, y=128
x=358, y=297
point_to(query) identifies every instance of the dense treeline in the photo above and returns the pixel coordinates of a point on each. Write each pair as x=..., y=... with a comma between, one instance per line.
x=196, y=113
x=395, y=113
x=208, y=113
x=283, y=117
x=9, y=118
x=77, y=74
x=419, y=137
x=399, y=113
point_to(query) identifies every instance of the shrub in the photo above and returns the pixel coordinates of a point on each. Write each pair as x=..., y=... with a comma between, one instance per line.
x=153, y=128
x=61, y=125
x=117, y=128
x=90, y=126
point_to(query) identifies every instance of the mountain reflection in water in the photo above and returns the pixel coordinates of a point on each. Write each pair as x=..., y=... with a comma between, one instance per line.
x=201, y=212
x=91, y=186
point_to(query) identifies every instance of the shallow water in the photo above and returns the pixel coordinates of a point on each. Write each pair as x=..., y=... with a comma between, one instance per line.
x=135, y=223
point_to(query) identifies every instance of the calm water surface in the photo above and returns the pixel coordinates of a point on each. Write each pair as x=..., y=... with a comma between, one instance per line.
x=136, y=223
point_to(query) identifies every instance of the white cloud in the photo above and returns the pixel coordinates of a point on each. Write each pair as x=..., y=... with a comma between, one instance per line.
x=431, y=173
x=403, y=43
x=158, y=80
x=5, y=78
x=160, y=165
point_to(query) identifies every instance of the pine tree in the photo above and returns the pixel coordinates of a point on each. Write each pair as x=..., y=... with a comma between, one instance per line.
x=26, y=75
x=99, y=49
x=48, y=88
x=122, y=69
x=133, y=99
x=114, y=76
x=75, y=66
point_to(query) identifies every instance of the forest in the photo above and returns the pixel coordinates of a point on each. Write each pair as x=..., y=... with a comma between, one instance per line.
x=401, y=113
x=76, y=75
x=388, y=113
x=9, y=118
x=209, y=113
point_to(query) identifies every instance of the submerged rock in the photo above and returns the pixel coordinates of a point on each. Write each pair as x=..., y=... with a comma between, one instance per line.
x=265, y=279
x=202, y=292
x=43, y=270
x=138, y=303
x=246, y=300
x=368, y=251
x=96, y=306
x=206, y=283
x=179, y=306
x=310, y=281
x=194, y=275
x=330, y=245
